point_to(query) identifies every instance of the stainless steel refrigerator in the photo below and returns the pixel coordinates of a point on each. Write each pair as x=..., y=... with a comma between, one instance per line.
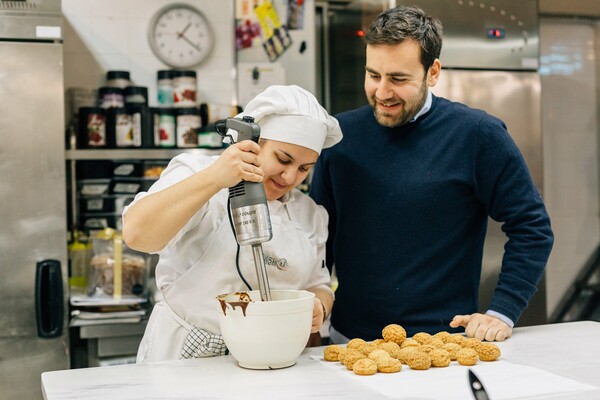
x=33, y=255
x=490, y=57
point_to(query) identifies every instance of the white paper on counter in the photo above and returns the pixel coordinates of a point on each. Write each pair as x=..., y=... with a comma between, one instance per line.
x=501, y=379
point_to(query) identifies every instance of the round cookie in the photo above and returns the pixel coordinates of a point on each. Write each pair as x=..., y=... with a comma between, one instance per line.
x=418, y=360
x=467, y=356
x=394, y=333
x=488, y=352
x=389, y=365
x=352, y=356
x=391, y=348
x=452, y=349
x=439, y=358
x=364, y=366
x=333, y=352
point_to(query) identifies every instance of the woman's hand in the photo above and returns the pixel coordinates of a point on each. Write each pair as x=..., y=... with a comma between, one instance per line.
x=318, y=316
x=238, y=162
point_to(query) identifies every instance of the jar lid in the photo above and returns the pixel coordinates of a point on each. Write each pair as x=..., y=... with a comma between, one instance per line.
x=117, y=75
x=129, y=90
x=109, y=90
x=164, y=111
x=91, y=110
x=188, y=111
x=178, y=74
x=165, y=74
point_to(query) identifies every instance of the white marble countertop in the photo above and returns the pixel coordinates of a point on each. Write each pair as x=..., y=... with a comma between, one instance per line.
x=569, y=350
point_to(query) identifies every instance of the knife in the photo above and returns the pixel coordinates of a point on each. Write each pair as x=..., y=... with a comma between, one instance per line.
x=477, y=387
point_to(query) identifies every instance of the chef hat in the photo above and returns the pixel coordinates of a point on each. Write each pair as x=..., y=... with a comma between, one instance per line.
x=293, y=115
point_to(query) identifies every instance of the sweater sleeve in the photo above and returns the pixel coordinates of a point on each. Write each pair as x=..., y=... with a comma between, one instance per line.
x=504, y=186
x=320, y=191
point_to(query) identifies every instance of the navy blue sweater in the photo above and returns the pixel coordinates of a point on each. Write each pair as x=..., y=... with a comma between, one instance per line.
x=408, y=211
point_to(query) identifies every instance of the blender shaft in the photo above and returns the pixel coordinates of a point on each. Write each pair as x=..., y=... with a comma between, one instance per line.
x=261, y=272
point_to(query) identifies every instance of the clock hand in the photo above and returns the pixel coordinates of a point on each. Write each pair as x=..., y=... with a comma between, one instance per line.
x=180, y=34
x=195, y=46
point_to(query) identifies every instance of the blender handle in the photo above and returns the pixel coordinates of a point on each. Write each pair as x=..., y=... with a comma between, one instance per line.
x=49, y=307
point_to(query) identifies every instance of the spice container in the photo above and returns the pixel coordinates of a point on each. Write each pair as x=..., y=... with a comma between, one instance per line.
x=120, y=127
x=118, y=79
x=164, y=88
x=184, y=88
x=92, y=128
x=187, y=124
x=141, y=124
x=164, y=126
x=209, y=138
x=109, y=96
x=136, y=95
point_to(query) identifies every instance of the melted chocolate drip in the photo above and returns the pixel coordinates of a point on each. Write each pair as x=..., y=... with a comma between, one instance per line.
x=244, y=300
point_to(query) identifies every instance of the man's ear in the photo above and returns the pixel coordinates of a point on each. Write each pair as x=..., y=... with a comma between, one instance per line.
x=434, y=73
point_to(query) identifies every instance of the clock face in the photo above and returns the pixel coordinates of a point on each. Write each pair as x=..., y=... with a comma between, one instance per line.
x=180, y=36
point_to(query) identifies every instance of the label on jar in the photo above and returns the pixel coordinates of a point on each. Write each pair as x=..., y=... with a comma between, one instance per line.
x=111, y=100
x=136, y=126
x=184, y=91
x=165, y=131
x=96, y=130
x=187, y=135
x=165, y=92
x=210, y=140
x=124, y=130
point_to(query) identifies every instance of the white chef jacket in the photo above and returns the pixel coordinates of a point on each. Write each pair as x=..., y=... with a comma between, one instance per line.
x=198, y=264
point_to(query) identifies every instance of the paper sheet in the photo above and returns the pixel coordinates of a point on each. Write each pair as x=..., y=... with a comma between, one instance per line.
x=501, y=379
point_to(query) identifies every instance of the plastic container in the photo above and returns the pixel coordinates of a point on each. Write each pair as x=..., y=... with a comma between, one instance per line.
x=110, y=97
x=120, y=126
x=127, y=168
x=209, y=138
x=125, y=185
x=187, y=124
x=92, y=130
x=165, y=133
x=142, y=125
x=136, y=95
x=184, y=88
x=118, y=79
x=164, y=86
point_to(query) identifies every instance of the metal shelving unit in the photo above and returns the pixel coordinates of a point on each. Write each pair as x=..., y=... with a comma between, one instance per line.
x=128, y=154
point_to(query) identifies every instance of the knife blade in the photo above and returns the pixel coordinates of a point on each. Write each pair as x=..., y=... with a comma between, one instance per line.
x=477, y=387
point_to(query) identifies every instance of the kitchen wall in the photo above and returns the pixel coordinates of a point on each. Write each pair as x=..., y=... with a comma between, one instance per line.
x=112, y=35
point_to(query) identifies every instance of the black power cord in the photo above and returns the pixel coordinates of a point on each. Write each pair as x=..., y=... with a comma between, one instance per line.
x=237, y=253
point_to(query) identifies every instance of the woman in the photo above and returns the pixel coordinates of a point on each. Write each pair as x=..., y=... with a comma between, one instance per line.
x=184, y=218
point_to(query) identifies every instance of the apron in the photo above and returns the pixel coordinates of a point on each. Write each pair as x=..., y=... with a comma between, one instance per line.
x=186, y=323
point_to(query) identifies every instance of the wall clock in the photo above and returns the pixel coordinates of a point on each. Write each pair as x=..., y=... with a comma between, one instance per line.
x=180, y=36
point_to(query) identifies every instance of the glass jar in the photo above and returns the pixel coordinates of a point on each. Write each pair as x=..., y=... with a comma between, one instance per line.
x=184, y=88
x=187, y=124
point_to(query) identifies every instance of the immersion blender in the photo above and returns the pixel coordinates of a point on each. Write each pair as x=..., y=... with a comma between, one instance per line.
x=250, y=213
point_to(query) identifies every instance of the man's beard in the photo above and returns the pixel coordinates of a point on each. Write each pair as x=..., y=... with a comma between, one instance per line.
x=406, y=114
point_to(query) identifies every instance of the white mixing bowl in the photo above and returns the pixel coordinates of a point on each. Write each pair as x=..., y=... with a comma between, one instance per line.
x=266, y=334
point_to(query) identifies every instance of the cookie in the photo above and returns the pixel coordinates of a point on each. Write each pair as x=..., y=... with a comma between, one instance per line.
x=394, y=333
x=389, y=365
x=364, y=366
x=391, y=348
x=467, y=356
x=352, y=356
x=488, y=352
x=333, y=352
x=452, y=349
x=439, y=358
x=418, y=360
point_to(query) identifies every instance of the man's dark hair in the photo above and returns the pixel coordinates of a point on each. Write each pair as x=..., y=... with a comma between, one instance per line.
x=398, y=24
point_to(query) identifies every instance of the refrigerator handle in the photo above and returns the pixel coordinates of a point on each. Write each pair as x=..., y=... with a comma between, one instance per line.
x=49, y=301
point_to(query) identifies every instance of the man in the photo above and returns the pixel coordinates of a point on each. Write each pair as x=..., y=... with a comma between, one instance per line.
x=409, y=191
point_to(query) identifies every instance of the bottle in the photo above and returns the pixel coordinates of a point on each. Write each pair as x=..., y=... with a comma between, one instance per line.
x=187, y=124
x=164, y=85
x=165, y=127
x=184, y=88
x=92, y=129
x=109, y=96
x=136, y=95
x=118, y=79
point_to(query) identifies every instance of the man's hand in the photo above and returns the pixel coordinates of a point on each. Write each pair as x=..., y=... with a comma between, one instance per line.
x=318, y=316
x=482, y=327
